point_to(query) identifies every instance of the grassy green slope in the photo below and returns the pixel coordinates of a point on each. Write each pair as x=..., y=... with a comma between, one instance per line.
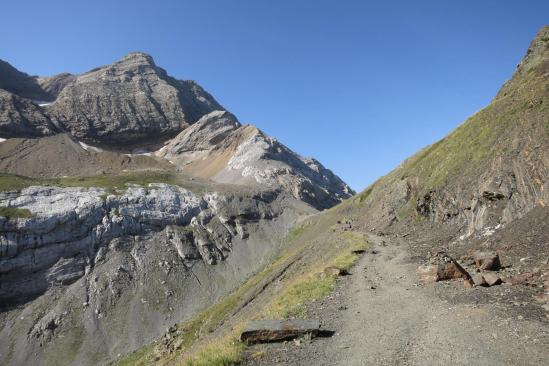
x=513, y=128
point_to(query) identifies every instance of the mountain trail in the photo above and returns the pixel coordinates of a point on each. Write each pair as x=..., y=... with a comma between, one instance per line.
x=381, y=315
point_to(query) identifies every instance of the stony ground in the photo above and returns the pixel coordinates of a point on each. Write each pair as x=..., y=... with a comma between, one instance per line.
x=381, y=315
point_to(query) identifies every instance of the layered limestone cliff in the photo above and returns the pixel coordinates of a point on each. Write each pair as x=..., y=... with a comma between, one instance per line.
x=83, y=256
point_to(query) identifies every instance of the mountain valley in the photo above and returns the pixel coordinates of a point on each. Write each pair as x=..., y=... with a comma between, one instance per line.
x=142, y=223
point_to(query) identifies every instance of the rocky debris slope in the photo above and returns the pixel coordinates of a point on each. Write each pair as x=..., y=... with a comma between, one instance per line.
x=218, y=147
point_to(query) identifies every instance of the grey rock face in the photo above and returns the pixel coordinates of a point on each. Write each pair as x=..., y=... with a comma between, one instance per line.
x=19, y=117
x=205, y=135
x=269, y=162
x=218, y=147
x=53, y=85
x=69, y=222
x=69, y=225
x=129, y=102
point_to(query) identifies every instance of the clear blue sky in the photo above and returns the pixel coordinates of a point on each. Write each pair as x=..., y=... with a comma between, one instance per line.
x=359, y=85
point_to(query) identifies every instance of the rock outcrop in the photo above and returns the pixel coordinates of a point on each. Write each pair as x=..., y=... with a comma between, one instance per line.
x=88, y=255
x=20, y=117
x=69, y=224
x=263, y=331
x=218, y=147
x=129, y=102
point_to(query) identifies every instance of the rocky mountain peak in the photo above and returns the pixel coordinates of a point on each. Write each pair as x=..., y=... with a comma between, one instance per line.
x=131, y=102
x=137, y=62
x=202, y=136
x=137, y=58
x=219, y=148
x=133, y=65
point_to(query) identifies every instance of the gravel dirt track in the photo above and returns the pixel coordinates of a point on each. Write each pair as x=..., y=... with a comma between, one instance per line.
x=381, y=315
